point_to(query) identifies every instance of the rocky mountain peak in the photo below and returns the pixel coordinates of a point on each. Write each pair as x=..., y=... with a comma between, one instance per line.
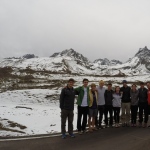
x=29, y=56
x=71, y=53
x=116, y=62
x=107, y=62
x=143, y=53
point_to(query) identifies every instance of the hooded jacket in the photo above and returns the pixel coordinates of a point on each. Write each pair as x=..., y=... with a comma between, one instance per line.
x=67, y=98
x=80, y=93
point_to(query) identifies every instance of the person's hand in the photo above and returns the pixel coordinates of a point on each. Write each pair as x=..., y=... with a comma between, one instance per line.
x=65, y=86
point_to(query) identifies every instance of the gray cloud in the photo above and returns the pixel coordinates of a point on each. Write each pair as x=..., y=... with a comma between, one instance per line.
x=96, y=28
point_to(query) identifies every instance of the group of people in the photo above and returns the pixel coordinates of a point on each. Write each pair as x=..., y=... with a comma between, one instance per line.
x=94, y=102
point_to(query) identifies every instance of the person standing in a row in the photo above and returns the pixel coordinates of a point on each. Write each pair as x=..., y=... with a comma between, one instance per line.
x=117, y=105
x=143, y=105
x=126, y=103
x=108, y=105
x=101, y=103
x=134, y=104
x=148, y=94
x=92, y=108
x=83, y=106
x=67, y=98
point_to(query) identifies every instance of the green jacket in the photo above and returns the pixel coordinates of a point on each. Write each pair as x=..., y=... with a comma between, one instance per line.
x=80, y=93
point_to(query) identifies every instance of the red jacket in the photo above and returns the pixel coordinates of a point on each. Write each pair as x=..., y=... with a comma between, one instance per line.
x=148, y=95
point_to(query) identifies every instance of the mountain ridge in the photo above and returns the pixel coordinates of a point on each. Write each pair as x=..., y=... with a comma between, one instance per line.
x=70, y=61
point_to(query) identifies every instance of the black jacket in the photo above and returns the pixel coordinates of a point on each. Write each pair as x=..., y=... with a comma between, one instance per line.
x=67, y=98
x=126, y=98
x=108, y=97
x=143, y=95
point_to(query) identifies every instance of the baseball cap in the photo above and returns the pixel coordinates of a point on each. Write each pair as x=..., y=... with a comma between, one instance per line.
x=124, y=81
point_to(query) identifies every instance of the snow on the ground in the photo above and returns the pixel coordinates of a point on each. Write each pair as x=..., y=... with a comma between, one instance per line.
x=30, y=108
x=41, y=115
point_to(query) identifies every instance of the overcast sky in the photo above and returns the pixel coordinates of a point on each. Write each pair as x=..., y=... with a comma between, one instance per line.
x=114, y=29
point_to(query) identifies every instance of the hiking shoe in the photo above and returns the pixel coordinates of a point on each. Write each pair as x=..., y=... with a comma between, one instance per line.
x=145, y=125
x=123, y=125
x=95, y=129
x=63, y=136
x=101, y=127
x=140, y=125
x=90, y=130
x=84, y=131
x=72, y=135
x=116, y=125
x=79, y=132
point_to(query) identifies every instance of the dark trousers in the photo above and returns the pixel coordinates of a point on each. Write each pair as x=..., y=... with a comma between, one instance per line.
x=82, y=111
x=101, y=109
x=108, y=109
x=134, y=109
x=143, y=107
x=116, y=114
x=67, y=114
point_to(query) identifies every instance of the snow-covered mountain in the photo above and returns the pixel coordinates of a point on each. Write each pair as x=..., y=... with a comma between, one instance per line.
x=67, y=61
x=106, y=62
x=71, y=62
x=71, y=54
x=137, y=65
x=29, y=56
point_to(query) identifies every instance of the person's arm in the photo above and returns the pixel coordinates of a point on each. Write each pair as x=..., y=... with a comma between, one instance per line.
x=62, y=95
x=121, y=89
x=113, y=97
x=105, y=94
x=121, y=94
x=77, y=90
x=146, y=94
x=112, y=92
x=139, y=93
x=129, y=92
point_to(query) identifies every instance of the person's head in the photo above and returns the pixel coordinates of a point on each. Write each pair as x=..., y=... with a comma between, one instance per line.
x=93, y=87
x=148, y=85
x=71, y=83
x=133, y=87
x=109, y=85
x=117, y=89
x=124, y=82
x=142, y=84
x=85, y=82
x=101, y=83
